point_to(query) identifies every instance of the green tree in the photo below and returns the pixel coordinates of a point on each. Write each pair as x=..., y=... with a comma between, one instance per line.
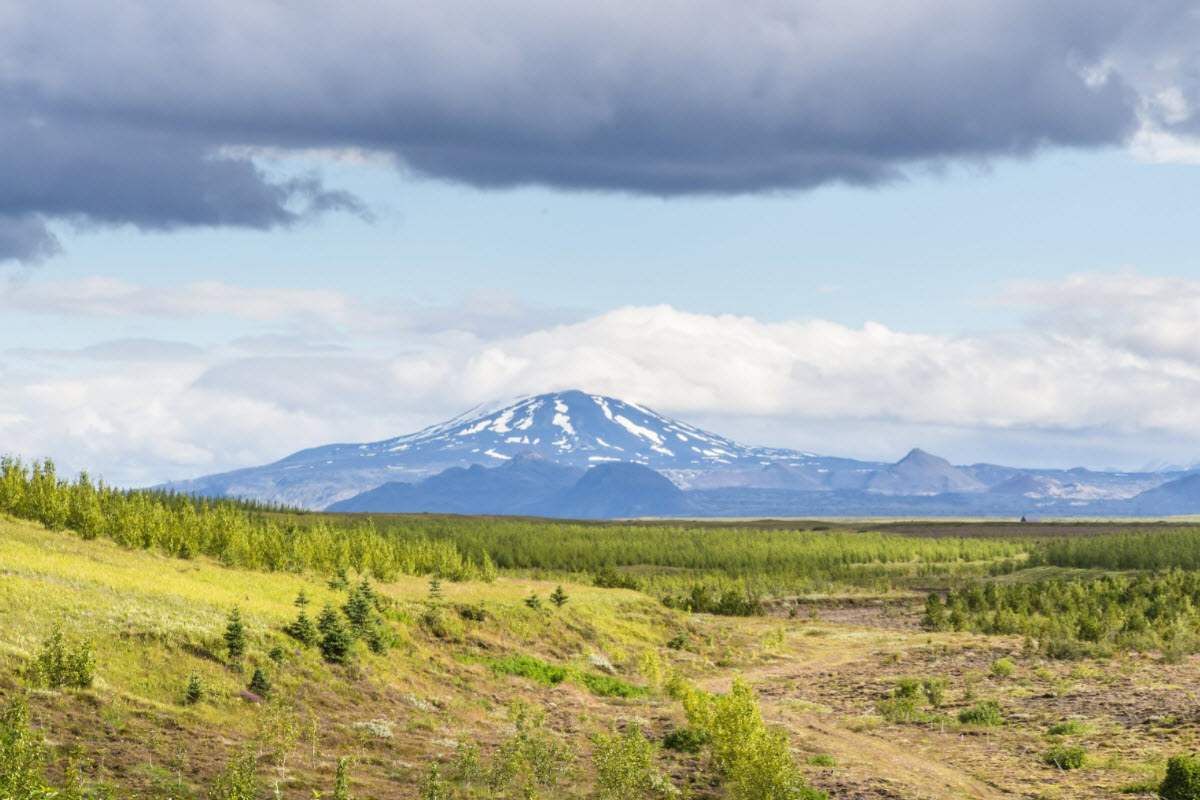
x=235, y=635
x=194, y=691
x=336, y=639
x=260, y=684
x=558, y=596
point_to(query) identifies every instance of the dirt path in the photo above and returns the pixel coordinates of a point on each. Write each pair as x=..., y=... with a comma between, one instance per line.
x=869, y=765
x=915, y=773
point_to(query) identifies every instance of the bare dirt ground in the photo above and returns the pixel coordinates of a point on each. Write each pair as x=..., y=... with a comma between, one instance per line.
x=1135, y=712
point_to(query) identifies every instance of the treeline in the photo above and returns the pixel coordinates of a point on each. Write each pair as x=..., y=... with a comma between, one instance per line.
x=1159, y=550
x=229, y=531
x=1068, y=619
x=663, y=556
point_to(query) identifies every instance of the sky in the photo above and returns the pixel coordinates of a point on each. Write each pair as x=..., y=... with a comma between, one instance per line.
x=231, y=230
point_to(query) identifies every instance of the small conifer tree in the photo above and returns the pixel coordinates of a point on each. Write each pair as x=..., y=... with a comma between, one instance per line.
x=336, y=639
x=303, y=629
x=259, y=684
x=558, y=597
x=235, y=635
x=194, y=691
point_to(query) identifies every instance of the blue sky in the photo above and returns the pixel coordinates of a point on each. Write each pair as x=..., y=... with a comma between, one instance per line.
x=828, y=227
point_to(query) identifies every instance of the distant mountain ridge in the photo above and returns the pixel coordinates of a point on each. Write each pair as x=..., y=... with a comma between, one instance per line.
x=540, y=455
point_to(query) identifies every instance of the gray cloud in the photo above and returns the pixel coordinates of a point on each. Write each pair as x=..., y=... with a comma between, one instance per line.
x=134, y=112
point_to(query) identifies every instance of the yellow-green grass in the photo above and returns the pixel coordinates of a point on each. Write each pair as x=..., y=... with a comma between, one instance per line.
x=153, y=620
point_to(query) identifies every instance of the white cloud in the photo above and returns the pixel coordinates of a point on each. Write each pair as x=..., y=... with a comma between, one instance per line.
x=1112, y=361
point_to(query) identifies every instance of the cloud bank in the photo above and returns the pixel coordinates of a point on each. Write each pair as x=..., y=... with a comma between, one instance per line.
x=145, y=113
x=1106, y=360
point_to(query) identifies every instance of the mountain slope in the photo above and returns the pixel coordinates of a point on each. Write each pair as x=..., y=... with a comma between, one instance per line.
x=570, y=428
x=615, y=491
x=514, y=487
x=1181, y=496
x=922, y=473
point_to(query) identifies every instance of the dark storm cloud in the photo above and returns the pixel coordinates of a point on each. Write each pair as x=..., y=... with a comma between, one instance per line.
x=129, y=110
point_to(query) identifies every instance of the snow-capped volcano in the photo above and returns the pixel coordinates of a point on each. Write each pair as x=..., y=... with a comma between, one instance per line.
x=570, y=428
x=580, y=430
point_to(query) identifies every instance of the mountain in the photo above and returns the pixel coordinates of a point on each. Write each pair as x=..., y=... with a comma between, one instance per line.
x=569, y=428
x=1180, y=496
x=531, y=485
x=541, y=455
x=619, y=490
x=922, y=473
x=514, y=487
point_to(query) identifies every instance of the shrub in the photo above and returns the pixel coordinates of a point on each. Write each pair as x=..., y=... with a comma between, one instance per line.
x=608, y=686
x=1064, y=757
x=529, y=667
x=58, y=665
x=341, y=779
x=907, y=687
x=898, y=709
x=432, y=785
x=194, y=691
x=987, y=714
x=239, y=781
x=754, y=759
x=467, y=768
x=475, y=612
x=1069, y=727
x=678, y=642
x=21, y=752
x=609, y=578
x=822, y=760
x=528, y=757
x=934, y=690
x=1002, y=668
x=1183, y=779
x=685, y=740
x=624, y=764
x=379, y=728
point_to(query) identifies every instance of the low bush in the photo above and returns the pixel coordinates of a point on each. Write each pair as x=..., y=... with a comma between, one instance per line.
x=934, y=690
x=474, y=612
x=986, y=714
x=1065, y=757
x=1002, y=668
x=378, y=728
x=1070, y=727
x=608, y=686
x=685, y=740
x=58, y=665
x=528, y=667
